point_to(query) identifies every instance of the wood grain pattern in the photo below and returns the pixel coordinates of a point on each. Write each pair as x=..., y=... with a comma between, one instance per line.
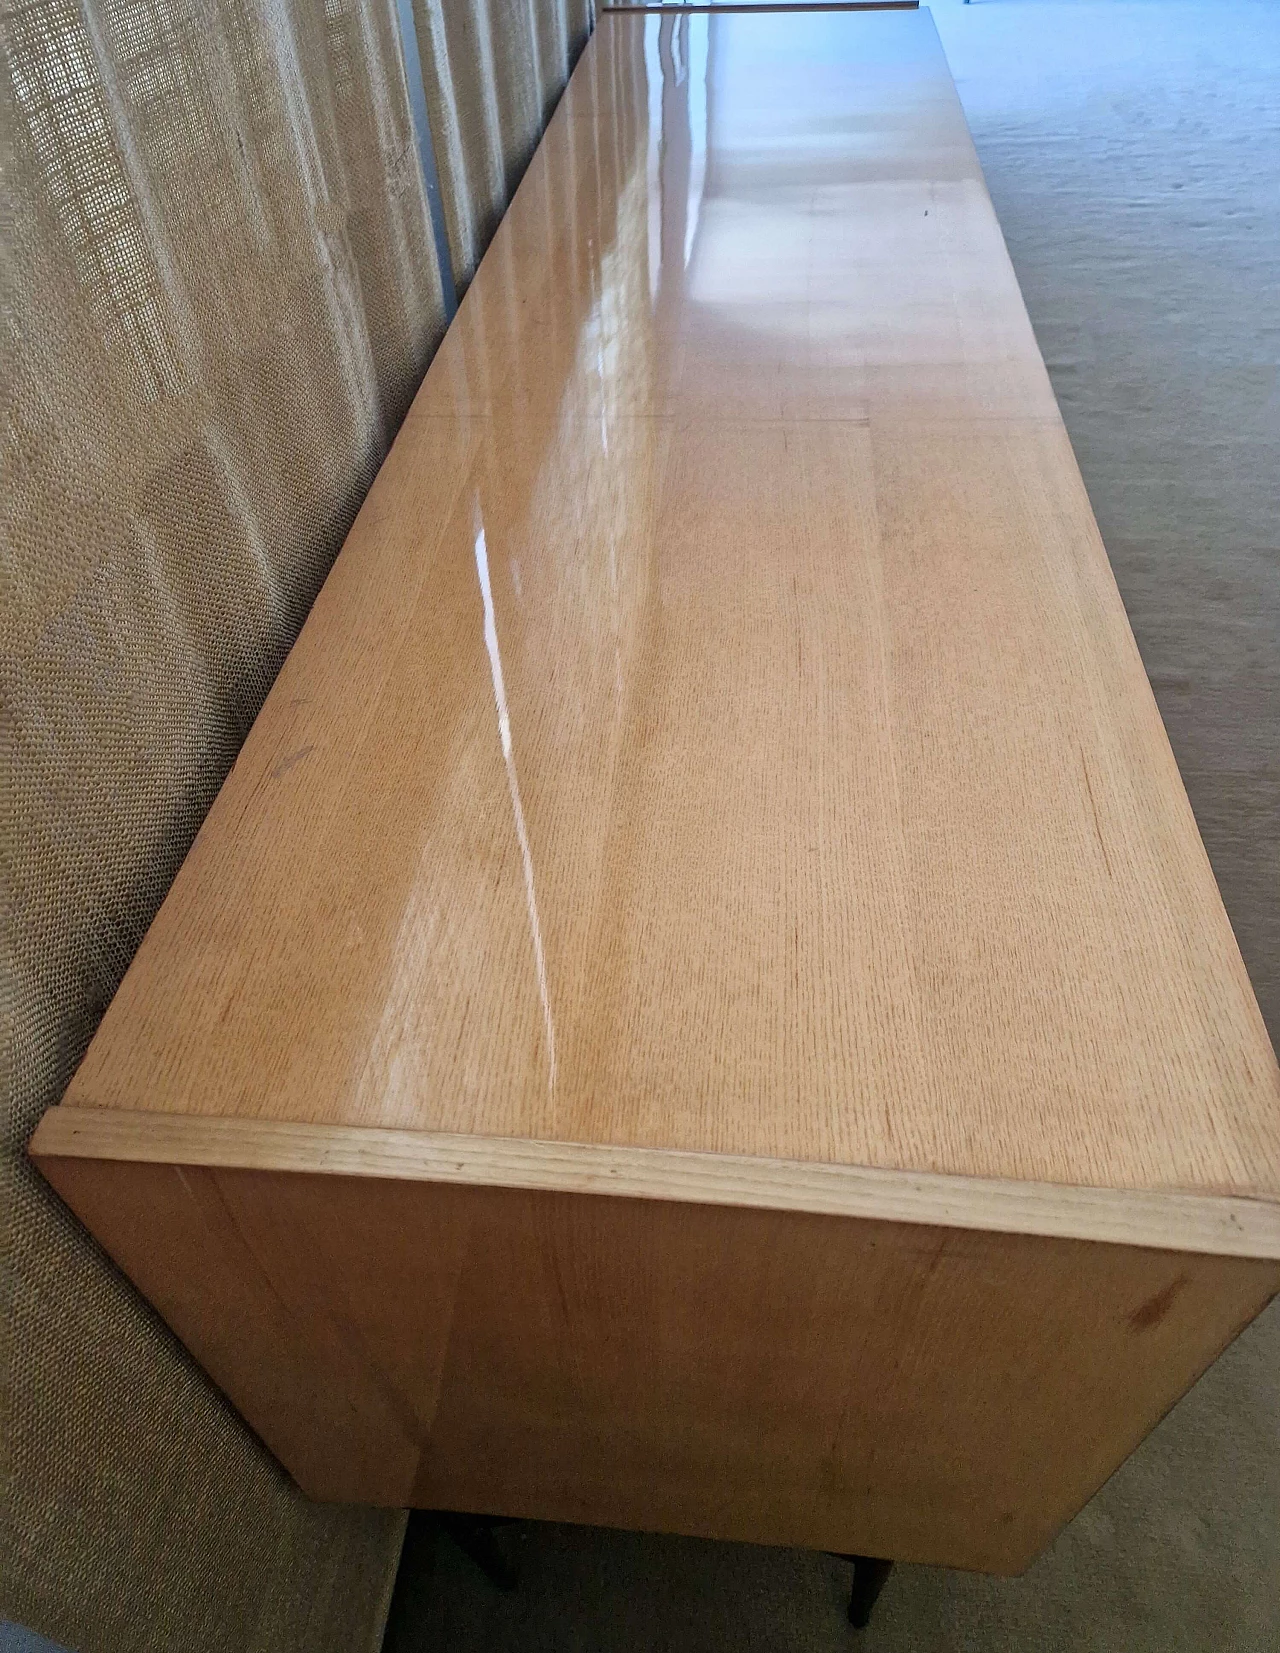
x=1212, y=1225
x=721, y=730
x=702, y=1004
x=780, y=1377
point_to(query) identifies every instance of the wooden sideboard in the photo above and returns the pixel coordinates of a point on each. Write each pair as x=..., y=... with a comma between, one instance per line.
x=702, y=1005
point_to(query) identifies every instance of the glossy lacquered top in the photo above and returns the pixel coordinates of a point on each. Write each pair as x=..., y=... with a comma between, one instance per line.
x=721, y=729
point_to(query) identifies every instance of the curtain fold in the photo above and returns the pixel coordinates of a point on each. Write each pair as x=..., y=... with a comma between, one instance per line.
x=493, y=71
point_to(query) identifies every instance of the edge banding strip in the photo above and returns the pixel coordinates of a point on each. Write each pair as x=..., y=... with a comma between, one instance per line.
x=1217, y=1225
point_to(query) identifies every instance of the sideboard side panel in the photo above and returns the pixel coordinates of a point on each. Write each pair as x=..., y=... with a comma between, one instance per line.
x=921, y=1393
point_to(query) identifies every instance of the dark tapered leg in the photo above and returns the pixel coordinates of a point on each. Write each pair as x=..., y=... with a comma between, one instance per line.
x=413, y=1595
x=869, y=1574
x=473, y=1534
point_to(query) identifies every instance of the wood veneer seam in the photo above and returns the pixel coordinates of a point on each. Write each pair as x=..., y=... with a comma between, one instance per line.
x=1208, y=1224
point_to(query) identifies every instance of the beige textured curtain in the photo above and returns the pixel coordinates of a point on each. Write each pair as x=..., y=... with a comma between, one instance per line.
x=493, y=70
x=219, y=295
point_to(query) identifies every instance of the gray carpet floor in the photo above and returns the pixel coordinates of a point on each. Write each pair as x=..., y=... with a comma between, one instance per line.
x=1133, y=151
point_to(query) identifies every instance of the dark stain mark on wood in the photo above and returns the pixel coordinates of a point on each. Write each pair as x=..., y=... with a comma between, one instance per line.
x=1097, y=824
x=1155, y=1308
x=287, y=763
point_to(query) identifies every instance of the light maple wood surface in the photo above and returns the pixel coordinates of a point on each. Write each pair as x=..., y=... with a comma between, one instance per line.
x=721, y=730
x=702, y=1004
